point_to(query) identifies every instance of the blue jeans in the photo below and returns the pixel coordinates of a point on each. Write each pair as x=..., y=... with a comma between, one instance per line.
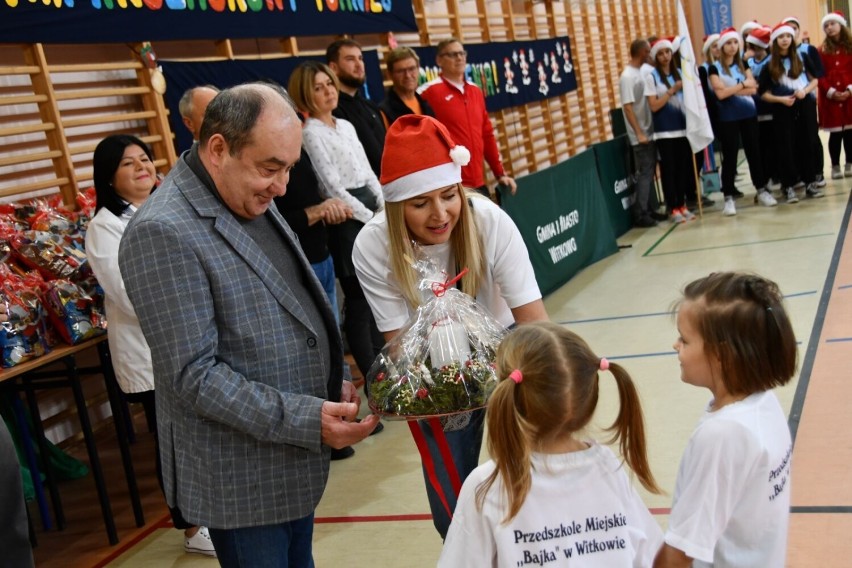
x=464, y=447
x=325, y=273
x=287, y=545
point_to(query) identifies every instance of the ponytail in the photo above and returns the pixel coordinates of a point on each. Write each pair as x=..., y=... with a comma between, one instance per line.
x=629, y=429
x=509, y=447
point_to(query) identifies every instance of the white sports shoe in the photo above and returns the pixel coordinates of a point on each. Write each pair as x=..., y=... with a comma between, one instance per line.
x=765, y=198
x=200, y=543
x=836, y=172
x=791, y=195
x=730, y=209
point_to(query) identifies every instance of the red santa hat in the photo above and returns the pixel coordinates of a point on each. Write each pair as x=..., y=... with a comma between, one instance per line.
x=834, y=17
x=662, y=43
x=748, y=26
x=780, y=29
x=793, y=19
x=709, y=40
x=727, y=35
x=760, y=37
x=419, y=156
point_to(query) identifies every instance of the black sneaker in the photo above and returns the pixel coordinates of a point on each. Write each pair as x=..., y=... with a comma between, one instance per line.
x=644, y=222
x=342, y=453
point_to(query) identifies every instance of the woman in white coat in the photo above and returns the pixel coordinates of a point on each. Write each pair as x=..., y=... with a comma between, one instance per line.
x=124, y=177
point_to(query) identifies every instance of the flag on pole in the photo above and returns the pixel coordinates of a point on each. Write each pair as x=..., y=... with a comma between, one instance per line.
x=698, y=129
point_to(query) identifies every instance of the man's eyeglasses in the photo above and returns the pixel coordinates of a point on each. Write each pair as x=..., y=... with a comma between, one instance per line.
x=407, y=71
x=455, y=54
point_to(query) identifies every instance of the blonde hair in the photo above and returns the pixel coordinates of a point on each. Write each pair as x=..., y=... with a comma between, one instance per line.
x=301, y=84
x=465, y=243
x=556, y=398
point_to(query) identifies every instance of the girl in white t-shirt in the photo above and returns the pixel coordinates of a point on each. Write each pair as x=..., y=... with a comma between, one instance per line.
x=549, y=496
x=732, y=495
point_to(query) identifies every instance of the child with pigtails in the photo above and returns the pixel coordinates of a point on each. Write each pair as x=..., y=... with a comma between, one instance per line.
x=549, y=495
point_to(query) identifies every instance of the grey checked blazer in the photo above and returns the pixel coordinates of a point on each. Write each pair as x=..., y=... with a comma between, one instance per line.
x=238, y=373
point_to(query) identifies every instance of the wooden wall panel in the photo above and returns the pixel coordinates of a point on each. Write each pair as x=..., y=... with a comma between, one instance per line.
x=56, y=102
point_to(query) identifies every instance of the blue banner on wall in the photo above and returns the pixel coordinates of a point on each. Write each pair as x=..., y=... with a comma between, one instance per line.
x=122, y=21
x=181, y=76
x=513, y=73
x=717, y=15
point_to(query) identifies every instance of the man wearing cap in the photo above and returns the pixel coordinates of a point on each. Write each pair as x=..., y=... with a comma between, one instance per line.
x=460, y=105
x=345, y=59
x=248, y=361
x=402, y=97
x=640, y=129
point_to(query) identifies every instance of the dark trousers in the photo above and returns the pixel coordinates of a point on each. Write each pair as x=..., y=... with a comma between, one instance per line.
x=286, y=545
x=676, y=171
x=730, y=133
x=14, y=530
x=795, y=132
x=645, y=160
x=766, y=135
x=365, y=340
x=146, y=399
x=835, y=139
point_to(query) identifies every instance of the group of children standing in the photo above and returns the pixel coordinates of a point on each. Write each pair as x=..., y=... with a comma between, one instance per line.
x=771, y=93
x=551, y=496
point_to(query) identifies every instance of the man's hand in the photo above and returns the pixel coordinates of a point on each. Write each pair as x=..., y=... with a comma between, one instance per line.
x=508, y=182
x=339, y=428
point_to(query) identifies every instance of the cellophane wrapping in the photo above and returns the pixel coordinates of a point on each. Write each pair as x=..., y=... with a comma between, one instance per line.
x=442, y=361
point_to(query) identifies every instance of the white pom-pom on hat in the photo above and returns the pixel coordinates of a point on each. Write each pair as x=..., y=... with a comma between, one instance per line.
x=460, y=155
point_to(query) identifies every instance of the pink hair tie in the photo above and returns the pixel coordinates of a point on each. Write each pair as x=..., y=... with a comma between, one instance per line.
x=516, y=376
x=604, y=364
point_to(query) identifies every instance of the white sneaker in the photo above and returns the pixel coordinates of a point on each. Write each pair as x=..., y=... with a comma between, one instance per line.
x=813, y=191
x=687, y=214
x=799, y=185
x=847, y=171
x=819, y=180
x=676, y=216
x=200, y=543
x=765, y=198
x=791, y=195
x=730, y=209
x=836, y=172
x=776, y=185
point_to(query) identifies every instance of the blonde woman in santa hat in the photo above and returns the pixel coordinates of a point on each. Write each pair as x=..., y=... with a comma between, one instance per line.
x=343, y=172
x=663, y=89
x=734, y=86
x=835, y=91
x=788, y=82
x=426, y=205
x=710, y=52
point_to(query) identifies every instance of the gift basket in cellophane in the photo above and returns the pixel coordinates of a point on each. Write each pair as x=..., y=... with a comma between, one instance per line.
x=441, y=364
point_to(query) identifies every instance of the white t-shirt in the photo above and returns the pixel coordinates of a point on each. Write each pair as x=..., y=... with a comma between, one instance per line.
x=631, y=86
x=340, y=163
x=581, y=511
x=732, y=496
x=509, y=280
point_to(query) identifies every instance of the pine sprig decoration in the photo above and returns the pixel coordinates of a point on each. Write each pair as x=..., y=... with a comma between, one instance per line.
x=422, y=390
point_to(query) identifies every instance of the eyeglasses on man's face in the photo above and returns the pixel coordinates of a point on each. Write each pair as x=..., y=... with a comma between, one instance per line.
x=454, y=54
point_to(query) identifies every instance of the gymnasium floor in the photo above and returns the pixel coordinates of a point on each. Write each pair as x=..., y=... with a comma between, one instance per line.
x=375, y=513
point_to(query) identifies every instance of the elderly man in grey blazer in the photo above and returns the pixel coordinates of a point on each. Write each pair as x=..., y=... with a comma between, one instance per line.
x=248, y=362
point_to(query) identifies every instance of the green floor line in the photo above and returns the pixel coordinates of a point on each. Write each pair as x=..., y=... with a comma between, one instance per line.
x=736, y=245
x=666, y=234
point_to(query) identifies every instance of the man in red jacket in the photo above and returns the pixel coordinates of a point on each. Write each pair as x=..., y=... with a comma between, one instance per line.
x=460, y=105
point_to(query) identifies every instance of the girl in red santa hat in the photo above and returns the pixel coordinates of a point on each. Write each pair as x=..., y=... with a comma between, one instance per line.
x=835, y=91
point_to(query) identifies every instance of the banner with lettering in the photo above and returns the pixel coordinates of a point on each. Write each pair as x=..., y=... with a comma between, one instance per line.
x=123, y=21
x=181, y=76
x=563, y=219
x=717, y=15
x=512, y=73
x=613, y=160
